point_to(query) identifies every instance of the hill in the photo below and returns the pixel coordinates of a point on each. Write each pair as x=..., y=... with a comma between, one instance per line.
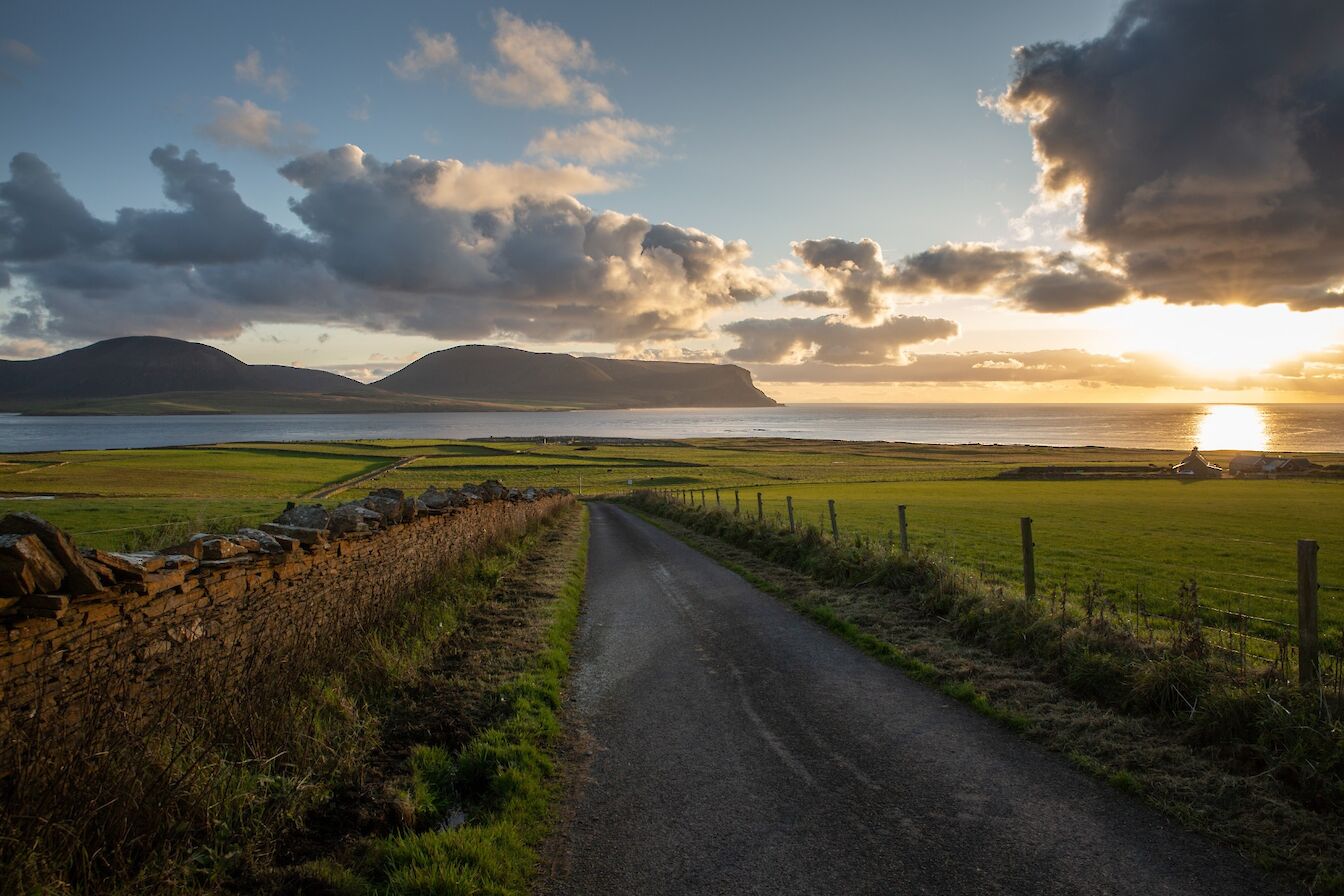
x=158, y=375
x=492, y=373
x=145, y=365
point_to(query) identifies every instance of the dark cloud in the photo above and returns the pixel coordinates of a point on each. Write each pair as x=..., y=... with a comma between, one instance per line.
x=1031, y=279
x=857, y=278
x=854, y=274
x=832, y=341
x=214, y=226
x=38, y=218
x=1205, y=137
x=420, y=246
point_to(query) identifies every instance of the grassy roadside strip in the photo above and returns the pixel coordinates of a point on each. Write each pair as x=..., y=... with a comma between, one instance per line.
x=502, y=782
x=939, y=627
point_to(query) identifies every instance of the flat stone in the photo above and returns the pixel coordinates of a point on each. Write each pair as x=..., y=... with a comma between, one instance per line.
x=133, y=563
x=297, y=533
x=79, y=578
x=303, y=516
x=352, y=517
x=266, y=543
x=220, y=549
x=28, y=567
x=44, y=606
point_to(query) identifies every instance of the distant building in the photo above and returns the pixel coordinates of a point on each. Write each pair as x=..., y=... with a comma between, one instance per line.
x=1247, y=463
x=1196, y=467
x=1263, y=465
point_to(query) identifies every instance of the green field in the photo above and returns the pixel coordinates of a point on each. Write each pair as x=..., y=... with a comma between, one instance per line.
x=1235, y=538
x=1137, y=540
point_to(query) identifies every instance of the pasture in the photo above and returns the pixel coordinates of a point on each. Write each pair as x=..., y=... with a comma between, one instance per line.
x=1132, y=541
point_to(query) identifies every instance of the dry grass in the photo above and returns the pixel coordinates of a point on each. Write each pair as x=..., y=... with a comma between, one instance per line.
x=199, y=786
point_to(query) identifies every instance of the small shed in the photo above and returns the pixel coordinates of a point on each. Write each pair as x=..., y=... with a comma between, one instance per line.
x=1196, y=467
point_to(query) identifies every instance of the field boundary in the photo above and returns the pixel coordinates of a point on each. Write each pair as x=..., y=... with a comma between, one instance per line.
x=327, y=491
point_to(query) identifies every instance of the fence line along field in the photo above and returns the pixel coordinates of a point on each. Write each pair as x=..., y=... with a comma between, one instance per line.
x=1137, y=541
x=1138, y=536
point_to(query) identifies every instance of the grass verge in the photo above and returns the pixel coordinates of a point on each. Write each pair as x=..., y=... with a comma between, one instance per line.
x=481, y=812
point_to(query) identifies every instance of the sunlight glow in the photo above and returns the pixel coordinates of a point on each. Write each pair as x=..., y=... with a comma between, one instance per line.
x=1239, y=427
x=1216, y=340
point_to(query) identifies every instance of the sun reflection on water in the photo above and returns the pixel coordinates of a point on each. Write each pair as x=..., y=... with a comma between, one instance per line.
x=1239, y=427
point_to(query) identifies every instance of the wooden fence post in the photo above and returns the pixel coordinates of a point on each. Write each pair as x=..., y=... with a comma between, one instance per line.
x=905, y=533
x=737, y=503
x=703, y=505
x=1028, y=559
x=718, y=500
x=1308, y=656
x=760, y=508
x=789, y=501
x=835, y=530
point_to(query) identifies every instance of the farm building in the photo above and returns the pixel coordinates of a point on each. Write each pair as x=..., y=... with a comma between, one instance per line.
x=1263, y=465
x=1196, y=467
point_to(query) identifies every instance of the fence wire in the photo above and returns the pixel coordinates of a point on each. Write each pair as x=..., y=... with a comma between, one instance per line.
x=1245, y=641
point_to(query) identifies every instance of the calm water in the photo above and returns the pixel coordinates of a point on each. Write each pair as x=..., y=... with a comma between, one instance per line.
x=1245, y=427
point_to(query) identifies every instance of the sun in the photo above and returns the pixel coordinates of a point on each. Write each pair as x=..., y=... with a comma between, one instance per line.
x=1219, y=341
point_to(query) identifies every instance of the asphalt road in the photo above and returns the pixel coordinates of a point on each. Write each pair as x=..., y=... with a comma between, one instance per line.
x=739, y=748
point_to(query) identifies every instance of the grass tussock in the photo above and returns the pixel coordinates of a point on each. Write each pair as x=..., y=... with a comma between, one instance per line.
x=1260, y=724
x=199, y=791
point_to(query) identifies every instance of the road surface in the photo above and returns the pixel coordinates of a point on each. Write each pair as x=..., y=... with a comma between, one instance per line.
x=739, y=748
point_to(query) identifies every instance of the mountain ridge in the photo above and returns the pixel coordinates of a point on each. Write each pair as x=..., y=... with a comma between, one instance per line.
x=474, y=371
x=158, y=374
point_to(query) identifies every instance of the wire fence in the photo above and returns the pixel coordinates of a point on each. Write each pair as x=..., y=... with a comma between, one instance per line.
x=1258, y=620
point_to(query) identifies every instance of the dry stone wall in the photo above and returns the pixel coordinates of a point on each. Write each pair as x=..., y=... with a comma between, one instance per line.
x=225, y=607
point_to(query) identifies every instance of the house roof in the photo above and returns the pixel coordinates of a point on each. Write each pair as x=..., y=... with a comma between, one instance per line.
x=1195, y=462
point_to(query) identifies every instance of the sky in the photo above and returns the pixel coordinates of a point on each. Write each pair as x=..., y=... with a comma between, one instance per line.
x=1048, y=200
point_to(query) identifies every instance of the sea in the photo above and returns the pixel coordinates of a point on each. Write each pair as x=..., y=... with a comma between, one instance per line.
x=1280, y=428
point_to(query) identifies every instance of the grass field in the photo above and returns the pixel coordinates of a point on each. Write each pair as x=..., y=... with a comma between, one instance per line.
x=1137, y=540
x=1235, y=538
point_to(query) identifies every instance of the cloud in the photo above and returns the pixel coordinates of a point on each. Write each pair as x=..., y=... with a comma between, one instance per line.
x=250, y=70
x=39, y=219
x=213, y=224
x=361, y=111
x=1203, y=137
x=433, y=247
x=855, y=276
x=247, y=125
x=1029, y=279
x=430, y=53
x=446, y=183
x=18, y=53
x=601, y=141
x=1320, y=373
x=540, y=66
x=830, y=340
x=1043, y=366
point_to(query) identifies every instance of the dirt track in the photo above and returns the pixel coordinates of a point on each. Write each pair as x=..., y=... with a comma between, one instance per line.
x=739, y=748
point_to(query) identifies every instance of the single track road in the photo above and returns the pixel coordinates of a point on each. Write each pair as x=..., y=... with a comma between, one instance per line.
x=738, y=748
